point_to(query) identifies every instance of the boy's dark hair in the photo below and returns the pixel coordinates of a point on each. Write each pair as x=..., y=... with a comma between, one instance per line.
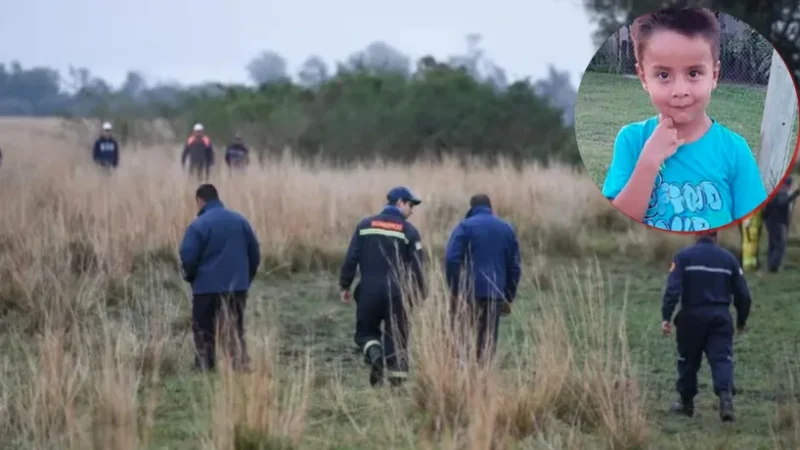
x=207, y=192
x=480, y=200
x=689, y=22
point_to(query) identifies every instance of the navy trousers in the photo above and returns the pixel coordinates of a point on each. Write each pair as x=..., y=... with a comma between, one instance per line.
x=375, y=307
x=706, y=330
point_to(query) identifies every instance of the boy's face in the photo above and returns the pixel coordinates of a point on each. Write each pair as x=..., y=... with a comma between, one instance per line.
x=679, y=73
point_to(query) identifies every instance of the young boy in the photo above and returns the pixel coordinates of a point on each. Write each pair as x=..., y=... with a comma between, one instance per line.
x=681, y=170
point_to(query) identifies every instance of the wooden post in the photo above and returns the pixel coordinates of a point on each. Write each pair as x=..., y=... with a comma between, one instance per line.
x=776, y=149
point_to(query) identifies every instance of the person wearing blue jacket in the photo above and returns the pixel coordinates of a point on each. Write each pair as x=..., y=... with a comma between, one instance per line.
x=704, y=277
x=220, y=257
x=485, y=248
x=105, y=152
x=387, y=249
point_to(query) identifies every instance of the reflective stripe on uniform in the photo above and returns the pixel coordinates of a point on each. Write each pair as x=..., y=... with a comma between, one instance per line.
x=370, y=344
x=707, y=269
x=389, y=233
x=396, y=374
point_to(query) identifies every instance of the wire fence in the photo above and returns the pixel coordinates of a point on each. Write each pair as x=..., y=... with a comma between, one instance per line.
x=745, y=55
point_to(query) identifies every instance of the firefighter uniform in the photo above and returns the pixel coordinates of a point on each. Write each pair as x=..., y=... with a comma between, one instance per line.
x=776, y=218
x=703, y=277
x=388, y=251
x=199, y=152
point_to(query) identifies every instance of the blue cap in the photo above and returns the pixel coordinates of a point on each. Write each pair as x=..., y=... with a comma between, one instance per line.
x=788, y=180
x=402, y=193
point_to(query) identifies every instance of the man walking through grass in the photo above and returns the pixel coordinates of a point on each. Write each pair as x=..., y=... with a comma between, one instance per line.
x=704, y=277
x=776, y=218
x=485, y=248
x=219, y=257
x=199, y=152
x=387, y=249
x=105, y=152
x=237, y=155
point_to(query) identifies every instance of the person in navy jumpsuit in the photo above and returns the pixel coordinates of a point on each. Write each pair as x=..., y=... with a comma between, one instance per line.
x=777, y=216
x=387, y=250
x=704, y=277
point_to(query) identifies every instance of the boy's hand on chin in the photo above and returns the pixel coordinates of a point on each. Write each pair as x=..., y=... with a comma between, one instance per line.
x=663, y=143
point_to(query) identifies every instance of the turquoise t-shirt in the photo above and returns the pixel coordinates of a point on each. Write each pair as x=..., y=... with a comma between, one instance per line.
x=706, y=184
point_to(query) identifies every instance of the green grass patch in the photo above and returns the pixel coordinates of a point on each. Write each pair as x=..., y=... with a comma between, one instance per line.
x=606, y=102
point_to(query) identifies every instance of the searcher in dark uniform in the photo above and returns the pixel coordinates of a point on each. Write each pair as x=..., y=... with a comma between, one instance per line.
x=387, y=250
x=704, y=277
x=777, y=216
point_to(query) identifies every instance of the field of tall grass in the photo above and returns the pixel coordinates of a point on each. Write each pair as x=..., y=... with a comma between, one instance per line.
x=96, y=341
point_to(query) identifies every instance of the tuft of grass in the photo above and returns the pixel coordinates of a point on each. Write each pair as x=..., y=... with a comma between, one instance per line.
x=265, y=407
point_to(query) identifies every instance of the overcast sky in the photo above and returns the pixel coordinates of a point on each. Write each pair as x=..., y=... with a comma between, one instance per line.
x=199, y=40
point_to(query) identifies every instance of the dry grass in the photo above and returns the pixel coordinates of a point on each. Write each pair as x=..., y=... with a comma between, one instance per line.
x=572, y=365
x=87, y=272
x=65, y=218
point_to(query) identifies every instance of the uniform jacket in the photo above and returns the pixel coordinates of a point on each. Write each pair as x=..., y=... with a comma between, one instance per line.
x=383, y=248
x=486, y=249
x=705, y=276
x=236, y=155
x=106, y=151
x=198, y=151
x=778, y=209
x=220, y=251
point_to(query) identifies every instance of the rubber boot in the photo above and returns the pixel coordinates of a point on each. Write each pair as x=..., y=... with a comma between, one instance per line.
x=683, y=406
x=726, y=407
x=374, y=359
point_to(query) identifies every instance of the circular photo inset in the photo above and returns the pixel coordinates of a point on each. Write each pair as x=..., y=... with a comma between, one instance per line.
x=686, y=119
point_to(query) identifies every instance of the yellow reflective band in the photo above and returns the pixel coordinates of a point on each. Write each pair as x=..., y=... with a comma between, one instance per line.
x=396, y=374
x=370, y=344
x=390, y=233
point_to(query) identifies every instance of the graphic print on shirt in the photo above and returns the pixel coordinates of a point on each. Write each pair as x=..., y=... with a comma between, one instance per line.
x=682, y=206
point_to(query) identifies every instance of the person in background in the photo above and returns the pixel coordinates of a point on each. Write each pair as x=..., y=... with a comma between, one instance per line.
x=703, y=278
x=777, y=215
x=199, y=152
x=220, y=257
x=105, y=152
x=386, y=248
x=237, y=155
x=486, y=249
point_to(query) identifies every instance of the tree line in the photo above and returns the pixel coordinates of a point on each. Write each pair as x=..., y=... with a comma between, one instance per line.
x=377, y=103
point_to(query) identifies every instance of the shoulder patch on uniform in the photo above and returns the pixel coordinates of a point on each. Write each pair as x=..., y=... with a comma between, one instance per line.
x=672, y=266
x=386, y=225
x=418, y=245
x=741, y=272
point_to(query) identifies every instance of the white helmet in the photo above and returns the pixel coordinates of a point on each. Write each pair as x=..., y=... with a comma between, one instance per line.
x=107, y=126
x=198, y=127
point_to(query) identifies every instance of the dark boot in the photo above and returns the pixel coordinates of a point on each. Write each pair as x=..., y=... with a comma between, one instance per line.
x=683, y=406
x=374, y=359
x=726, y=407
